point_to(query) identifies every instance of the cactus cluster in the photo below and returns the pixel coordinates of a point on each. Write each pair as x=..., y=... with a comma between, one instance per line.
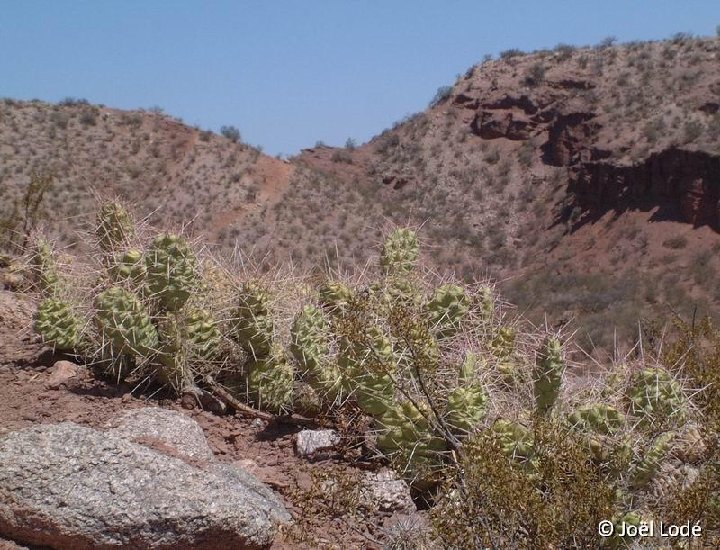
x=655, y=395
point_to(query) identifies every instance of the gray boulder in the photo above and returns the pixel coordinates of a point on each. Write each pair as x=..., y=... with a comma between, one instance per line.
x=171, y=428
x=70, y=487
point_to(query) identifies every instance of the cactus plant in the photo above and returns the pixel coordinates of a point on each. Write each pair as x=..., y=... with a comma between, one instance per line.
x=310, y=347
x=45, y=267
x=124, y=323
x=115, y=226
x=400, y=251
x=128, y=266
x=502, y=344
x=656, y=396
x=515, y=439
x=598, y=418
x=171, y=271
x=253, y=322
x=270, y=382
x=549, y=368
x=407, y=438
x=646, y=469
x=57, y=324
x=447, y=308
x=335, y=296
x=368, y=364
x=467, y=404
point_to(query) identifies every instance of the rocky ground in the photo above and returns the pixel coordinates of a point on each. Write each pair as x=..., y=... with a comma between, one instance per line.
x=325, y=495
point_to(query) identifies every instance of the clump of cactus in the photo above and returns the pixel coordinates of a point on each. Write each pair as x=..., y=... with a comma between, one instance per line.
x=115, y=226
x=400, y=251
x=447, y=308
x=171, y=271
x=253, y=322
x=516, y=441
x=549, y=368
x=124, y=323
x=655, y=396
x=58, y=324
x=270, y=382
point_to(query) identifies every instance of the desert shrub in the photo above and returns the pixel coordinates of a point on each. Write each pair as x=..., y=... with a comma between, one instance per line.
x=442, y=94
x=675, y=242
x=535, y=75
x=510, y=53
x=231, y=133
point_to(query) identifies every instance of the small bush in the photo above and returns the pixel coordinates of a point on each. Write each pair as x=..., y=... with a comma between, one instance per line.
x=442, y=94
x=231, y=133
x=509, y=54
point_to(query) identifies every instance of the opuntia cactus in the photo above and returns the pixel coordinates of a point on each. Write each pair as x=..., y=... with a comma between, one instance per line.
x=646, y=469
x=516, y=440
x=171, y=271
x=447, y=308
x=310, y=347
x=270, y=382
x=115, y=226
x=503, y=343
x=128, y=267
x=400, y=251
x=656, y=396
x=57, y=324
x=335, y=296
x=368, y=364
x=407, y=438
x=44, y=267
x=253, y=322
x=124, y=323
x=549, y=369
x=467, y=404
x=599, y=418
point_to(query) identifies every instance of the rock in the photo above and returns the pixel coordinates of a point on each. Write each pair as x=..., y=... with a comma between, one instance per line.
x=68, y=486
x=386, y=491
x=309, y=442
x=170, y=428
x=62, y=372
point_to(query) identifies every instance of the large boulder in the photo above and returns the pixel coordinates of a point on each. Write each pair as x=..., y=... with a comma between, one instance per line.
x=160, y=427
x=70, y=487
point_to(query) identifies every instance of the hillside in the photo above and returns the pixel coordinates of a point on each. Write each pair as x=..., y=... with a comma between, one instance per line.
x=585, y=180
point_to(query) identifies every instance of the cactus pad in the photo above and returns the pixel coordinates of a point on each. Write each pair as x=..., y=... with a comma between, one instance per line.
x=171, y=271
x=549, y=368
x=115, y=226
x=400, y=251
x=447, y=308
x=124, y=323
x=57, y=324
x=253, y=323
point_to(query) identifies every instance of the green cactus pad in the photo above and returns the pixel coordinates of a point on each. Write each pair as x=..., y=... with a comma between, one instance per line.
x=128, y=267
x=115, y=226
x=57, y=324
x=503, y=343
x=515, y=439
x=400, y=251
x=45, y=268
x=649, y=466
x=367, y=363
x=124, y=323
x=335, y=296
x=446, y=309
x=656, y=396
x=253, y=326
x=270, y=382
x=171, y=271
x=599, y=418
x=549, y=369
x=467, y=404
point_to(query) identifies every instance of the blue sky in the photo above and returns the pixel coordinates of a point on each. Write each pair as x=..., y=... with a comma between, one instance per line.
x=290, y=73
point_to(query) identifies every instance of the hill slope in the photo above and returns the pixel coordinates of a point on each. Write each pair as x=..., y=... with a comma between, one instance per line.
x=585, y=180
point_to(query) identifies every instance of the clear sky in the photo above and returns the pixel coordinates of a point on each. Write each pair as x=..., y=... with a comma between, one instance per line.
x=290, y=73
